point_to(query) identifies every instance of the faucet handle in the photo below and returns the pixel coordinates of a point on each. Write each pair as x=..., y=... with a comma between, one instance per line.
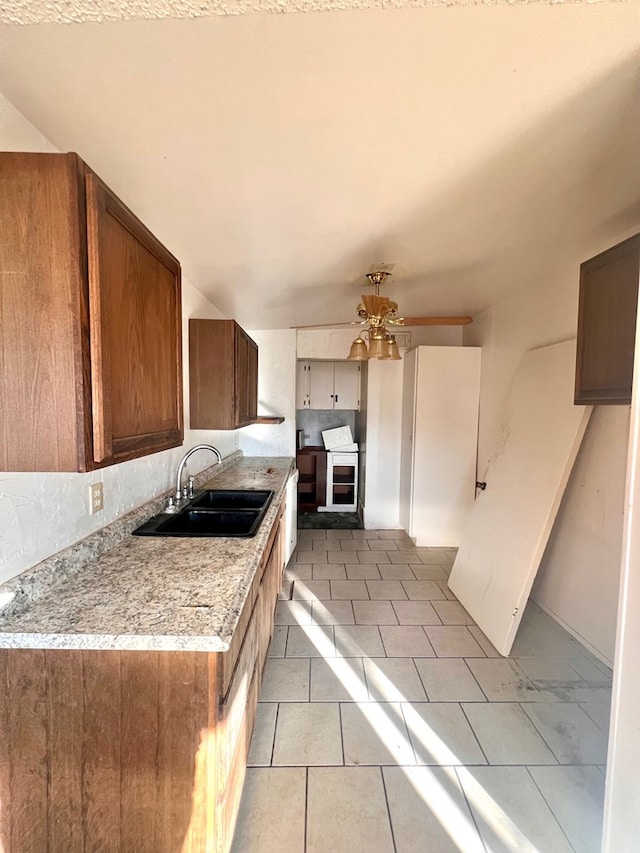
x=190, y=487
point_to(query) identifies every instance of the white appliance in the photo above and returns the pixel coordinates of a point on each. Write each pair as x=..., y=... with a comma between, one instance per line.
x=291, y=516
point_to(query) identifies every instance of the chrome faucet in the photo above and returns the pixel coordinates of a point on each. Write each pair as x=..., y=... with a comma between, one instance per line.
x=173, y=504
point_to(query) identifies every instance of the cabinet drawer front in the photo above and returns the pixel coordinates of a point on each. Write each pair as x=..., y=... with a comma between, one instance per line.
x=343, y=458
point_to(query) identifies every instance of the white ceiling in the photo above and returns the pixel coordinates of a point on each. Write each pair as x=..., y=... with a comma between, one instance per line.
x=280, y=156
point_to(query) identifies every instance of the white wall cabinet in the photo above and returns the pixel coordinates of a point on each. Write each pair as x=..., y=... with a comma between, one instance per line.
x=439, y=442
x=302, y=385
x=328, y=385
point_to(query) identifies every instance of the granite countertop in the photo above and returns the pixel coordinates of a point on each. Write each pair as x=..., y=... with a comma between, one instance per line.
x=150, y=593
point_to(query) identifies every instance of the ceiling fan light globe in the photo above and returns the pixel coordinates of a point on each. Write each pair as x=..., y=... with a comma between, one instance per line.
x=376, y=347
x=358, y=351
x=394, y=351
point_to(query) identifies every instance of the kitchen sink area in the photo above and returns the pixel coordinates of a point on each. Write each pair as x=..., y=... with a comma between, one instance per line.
x=213, y=513
x=233, y=499
x=169, y=629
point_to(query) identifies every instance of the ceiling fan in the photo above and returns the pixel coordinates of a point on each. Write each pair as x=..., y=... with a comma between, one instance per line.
x=376, y=312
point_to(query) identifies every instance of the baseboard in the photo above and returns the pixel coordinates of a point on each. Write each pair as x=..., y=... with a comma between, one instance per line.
x=583, y=640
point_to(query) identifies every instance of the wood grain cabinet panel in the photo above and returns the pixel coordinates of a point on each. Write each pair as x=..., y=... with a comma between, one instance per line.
x=104, y=750
x=223, y=375
x=312, y=482
x=607, y=324
x=90, y=321
x=132, y=751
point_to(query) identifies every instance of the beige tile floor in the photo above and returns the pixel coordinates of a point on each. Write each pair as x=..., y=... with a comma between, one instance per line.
x=388, y=722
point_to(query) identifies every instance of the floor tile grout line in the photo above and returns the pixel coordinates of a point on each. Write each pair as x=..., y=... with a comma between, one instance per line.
x=477, y=739
x=389, y=818
x=364, y=672
x=306, y=807
x=424, y=686
x=273, y=740
x=470, y=671
x=344, y=759
x=539, y=733
x=469, y=807
x=548, y=804
x=416, y=762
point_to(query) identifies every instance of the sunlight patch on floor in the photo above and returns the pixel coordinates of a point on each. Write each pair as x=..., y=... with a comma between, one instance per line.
x=453, y=820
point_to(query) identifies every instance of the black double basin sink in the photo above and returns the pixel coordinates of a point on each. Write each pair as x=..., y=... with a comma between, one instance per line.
x=216, y=512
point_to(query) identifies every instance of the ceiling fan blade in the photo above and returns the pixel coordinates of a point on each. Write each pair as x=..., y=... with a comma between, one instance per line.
x=329, y=325
x=436, y=321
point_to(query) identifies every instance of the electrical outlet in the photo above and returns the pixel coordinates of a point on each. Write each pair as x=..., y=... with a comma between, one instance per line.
x=96, y=498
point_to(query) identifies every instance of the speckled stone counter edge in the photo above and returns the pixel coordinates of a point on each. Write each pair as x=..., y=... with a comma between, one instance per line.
x=20, y=592
x=16, y=632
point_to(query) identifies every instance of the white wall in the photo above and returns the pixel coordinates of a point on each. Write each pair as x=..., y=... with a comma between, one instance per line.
x=276, y=395
x=43, y=513
x=384, y=427
x=585, y=546
x=544, y=311
x=622, y=797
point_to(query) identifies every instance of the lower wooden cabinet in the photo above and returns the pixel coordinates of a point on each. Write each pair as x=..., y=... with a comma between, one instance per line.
x=237, y=708
x=125, y=750
x=312, y=481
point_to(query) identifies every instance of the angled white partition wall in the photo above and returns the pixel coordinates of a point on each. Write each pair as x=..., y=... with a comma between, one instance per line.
x=507, y=531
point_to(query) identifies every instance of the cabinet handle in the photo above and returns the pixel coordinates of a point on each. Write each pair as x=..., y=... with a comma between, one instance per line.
x=336, y=398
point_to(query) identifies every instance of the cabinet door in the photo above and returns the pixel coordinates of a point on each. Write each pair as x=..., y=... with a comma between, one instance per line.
x=135, y=322
x=223, y=375
x=302, y=385
x=246, y=379
x=346, y=385
x=321, y=385
x=607, y=325
x=44, y=331
x=212, y=374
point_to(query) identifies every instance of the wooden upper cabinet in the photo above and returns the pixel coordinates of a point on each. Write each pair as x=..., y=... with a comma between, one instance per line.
x=246, y=377
x=606, y=325
x=90, y=322
x=223, y=375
